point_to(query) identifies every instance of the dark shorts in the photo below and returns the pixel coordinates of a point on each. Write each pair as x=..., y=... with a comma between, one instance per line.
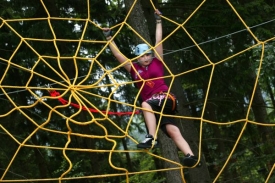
x=170, y=108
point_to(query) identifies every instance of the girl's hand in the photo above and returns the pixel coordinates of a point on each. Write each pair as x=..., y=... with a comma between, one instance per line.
x=107, y=32
x=157, y=14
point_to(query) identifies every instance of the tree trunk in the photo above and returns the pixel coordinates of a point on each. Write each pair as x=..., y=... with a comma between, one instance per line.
x=137, y=21
x=260, y=114
x=258, y=103
x=168, y=148
x=188, y=129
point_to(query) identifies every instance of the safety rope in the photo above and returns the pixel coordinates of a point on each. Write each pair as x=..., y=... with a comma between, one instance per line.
x=54, y=93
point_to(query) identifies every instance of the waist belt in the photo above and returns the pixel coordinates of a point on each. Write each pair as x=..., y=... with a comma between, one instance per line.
x=162, y=95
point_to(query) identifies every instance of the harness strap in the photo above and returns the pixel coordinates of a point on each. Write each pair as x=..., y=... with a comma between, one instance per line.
x=173, y=98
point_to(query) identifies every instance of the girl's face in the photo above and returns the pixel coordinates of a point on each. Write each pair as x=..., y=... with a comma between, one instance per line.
x=145, y=59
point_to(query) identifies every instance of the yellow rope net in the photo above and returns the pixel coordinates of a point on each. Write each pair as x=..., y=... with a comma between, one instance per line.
x=78, y=90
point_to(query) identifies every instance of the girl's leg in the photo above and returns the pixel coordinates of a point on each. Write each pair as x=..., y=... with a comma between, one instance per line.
x=150, y=119
x=189, y=160
x=180, y=142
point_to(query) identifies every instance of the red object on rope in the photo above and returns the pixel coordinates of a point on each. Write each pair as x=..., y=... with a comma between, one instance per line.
x=54, y=93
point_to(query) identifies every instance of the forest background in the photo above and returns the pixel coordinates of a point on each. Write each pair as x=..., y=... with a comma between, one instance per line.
x=221, y=35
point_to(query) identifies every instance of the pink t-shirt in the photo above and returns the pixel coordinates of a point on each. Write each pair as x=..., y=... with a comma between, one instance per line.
x=154, y=70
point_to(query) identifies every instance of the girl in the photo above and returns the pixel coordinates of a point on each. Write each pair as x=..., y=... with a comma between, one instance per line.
x=154, y=92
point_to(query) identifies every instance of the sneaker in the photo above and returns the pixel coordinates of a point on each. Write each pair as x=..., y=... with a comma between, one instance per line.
x=148, y=142
x=190, y=161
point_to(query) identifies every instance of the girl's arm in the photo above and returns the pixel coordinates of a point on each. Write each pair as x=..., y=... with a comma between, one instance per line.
x=116, y=52
x=159, y=47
